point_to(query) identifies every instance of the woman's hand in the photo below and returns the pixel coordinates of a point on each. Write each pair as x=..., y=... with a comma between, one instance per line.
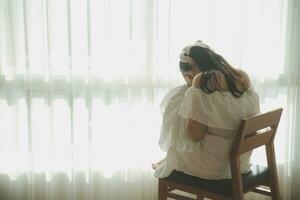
x=188, y=78
x=196, y=80
x=190, y=74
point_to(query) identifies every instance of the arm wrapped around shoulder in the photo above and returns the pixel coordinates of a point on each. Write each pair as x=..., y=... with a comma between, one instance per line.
x=191, y=110
x=234, y=80
x=195, y=129
x=196, y=80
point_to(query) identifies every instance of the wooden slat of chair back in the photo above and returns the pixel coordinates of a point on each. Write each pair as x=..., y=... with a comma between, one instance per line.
x=256, y=141
x=261, y=121
x=256, y=131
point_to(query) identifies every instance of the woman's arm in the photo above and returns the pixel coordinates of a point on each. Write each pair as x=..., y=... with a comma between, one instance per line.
x=195, y=129
x=196, y=80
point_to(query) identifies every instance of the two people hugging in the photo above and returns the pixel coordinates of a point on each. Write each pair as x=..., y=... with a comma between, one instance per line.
x=201, y=117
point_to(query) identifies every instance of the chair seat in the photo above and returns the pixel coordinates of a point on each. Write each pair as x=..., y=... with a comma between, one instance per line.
x=256, y=176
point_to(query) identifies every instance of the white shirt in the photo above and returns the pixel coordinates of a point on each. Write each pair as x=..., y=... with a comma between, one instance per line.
x=221, y=113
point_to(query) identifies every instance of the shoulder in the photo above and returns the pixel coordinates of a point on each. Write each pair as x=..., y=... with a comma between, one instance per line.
x=175, y=93
x=178, y=90
x=172, y=97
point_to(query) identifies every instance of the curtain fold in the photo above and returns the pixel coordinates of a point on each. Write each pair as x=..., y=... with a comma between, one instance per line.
x=81, y=81
x=292, y=68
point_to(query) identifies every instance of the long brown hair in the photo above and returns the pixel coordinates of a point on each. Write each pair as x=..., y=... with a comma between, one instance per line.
x=211, y=64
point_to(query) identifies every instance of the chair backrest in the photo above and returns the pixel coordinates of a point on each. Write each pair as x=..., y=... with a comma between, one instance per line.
x=256, y=131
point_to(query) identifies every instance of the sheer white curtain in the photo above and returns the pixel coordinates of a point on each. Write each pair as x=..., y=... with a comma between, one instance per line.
x=292, y=62
x=80, y=84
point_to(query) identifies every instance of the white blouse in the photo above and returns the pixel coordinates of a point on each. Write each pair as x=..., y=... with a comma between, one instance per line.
x=221, y=113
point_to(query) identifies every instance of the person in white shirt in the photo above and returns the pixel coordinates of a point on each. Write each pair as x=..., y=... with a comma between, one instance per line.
x=201, y=118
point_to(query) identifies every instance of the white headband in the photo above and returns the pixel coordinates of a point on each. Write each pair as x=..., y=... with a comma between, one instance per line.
x=184, y=55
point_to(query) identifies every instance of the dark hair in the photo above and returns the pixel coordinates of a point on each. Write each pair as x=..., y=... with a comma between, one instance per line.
x=210, y=64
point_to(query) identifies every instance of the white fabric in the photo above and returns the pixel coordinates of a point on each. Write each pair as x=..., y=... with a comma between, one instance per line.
x=219, y=109
x=169, y=108
x=221, y=113
x=75, y=69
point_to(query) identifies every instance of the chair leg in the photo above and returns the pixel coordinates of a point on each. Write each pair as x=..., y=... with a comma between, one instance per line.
x=200, y=197
x=275, y=191
x=274, y=187
x=162, y=190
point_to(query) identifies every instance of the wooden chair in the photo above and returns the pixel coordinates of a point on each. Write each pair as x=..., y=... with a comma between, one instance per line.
x=253, y=132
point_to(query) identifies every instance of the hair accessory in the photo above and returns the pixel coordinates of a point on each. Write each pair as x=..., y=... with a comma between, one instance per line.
x=184, y=55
